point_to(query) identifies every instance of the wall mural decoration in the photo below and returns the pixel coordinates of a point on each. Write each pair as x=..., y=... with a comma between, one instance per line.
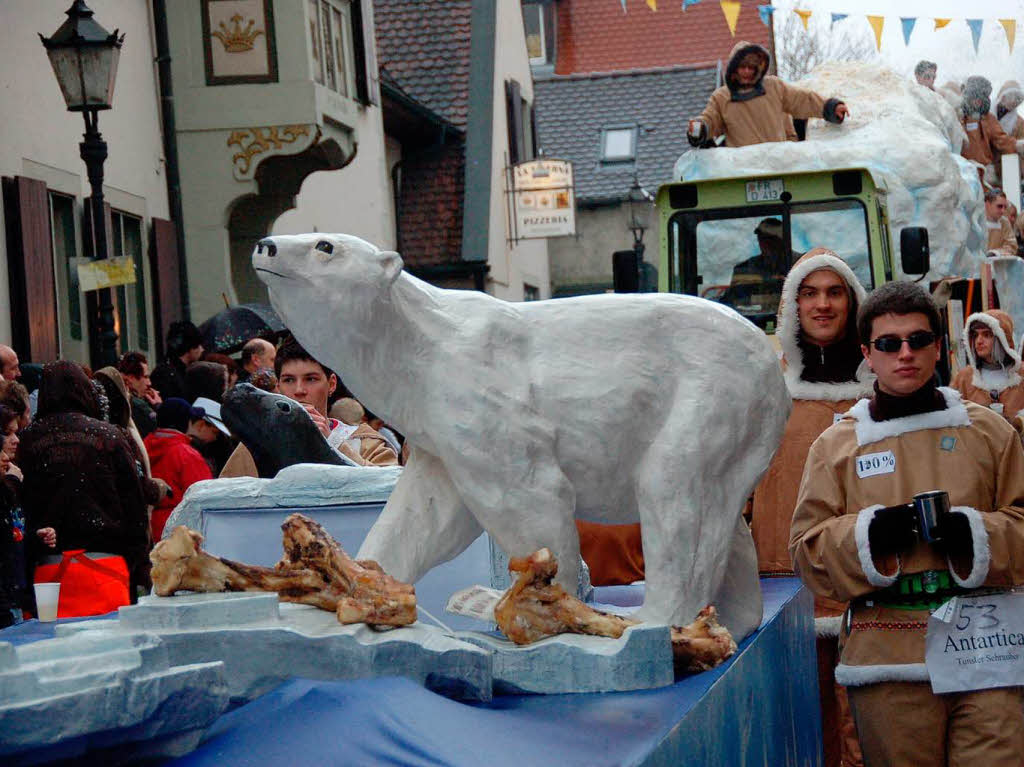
x=238, y=42
x=256, y=141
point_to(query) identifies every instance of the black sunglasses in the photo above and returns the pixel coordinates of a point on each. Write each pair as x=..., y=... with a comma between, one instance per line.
x=916, y=341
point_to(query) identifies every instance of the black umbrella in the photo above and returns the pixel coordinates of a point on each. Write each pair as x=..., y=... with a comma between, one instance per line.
x=228, y=330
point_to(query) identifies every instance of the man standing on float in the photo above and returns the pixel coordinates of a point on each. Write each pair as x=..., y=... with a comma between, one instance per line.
x=854, y=540
x=825, y=374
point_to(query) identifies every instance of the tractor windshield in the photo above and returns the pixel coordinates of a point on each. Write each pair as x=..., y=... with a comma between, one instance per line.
x=740, y=256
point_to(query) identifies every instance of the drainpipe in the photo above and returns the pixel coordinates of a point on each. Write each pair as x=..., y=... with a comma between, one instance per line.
x=170, y=136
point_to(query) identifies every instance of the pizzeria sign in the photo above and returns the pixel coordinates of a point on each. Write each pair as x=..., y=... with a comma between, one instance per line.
x=543, y=200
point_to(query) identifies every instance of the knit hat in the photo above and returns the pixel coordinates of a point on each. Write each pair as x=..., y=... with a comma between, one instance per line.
x=176, y=413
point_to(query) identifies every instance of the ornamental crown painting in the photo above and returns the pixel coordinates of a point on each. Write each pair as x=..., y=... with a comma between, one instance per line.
x=238, y=42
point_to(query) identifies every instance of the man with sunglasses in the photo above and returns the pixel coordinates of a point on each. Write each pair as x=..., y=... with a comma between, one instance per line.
x=849, y=542
x=825, y=374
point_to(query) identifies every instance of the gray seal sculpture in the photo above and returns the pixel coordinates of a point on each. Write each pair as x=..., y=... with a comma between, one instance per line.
x=276, y=429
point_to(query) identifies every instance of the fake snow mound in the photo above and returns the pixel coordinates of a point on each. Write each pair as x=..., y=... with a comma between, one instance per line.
x=907, y=136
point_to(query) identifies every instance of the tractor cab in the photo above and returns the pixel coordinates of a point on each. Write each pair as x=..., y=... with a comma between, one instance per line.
x=733, y=240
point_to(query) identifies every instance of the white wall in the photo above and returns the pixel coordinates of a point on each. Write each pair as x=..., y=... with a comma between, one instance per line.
x=40, y=137
x=526, y=262
x=355, y=200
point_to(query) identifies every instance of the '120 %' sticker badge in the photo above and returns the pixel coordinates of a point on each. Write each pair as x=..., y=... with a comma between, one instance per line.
x=873, y=464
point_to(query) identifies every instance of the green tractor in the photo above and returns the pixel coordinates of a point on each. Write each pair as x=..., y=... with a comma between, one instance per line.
x=732, y=240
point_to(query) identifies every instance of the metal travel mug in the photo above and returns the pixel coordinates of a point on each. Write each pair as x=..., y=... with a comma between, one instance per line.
x=932, y=508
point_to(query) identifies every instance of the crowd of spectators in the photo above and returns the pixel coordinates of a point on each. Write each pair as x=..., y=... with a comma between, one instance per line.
x=95, y=462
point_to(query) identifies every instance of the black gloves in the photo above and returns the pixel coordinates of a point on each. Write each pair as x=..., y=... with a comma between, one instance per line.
x=892, y=530
x=697, y=133
x=955, y=534
x=829, y=112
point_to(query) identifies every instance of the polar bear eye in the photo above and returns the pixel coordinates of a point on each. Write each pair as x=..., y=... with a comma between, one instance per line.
x=325, y=246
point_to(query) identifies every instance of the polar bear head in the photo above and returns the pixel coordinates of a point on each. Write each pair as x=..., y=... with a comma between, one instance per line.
x=319, y=281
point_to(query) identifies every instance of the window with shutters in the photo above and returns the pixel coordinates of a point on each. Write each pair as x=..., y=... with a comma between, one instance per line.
x=130, y=304
x=330, y=39
x=65, y=257
x=521, y=130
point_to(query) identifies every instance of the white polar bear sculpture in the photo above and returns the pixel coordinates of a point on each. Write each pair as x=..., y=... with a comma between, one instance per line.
x=660, y=408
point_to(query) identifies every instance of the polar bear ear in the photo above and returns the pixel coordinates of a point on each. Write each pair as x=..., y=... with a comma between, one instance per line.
x=392, y=264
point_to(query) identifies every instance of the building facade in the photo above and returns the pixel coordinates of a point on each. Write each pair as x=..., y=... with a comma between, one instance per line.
x=282, y=122
x=43, y=312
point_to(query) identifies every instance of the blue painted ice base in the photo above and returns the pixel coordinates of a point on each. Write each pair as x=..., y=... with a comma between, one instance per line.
x=759, y=708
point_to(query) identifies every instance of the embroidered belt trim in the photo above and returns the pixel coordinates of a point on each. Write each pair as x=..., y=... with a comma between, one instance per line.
x=889, y=625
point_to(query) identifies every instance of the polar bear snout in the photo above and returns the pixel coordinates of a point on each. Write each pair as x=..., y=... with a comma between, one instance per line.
x=269, y=245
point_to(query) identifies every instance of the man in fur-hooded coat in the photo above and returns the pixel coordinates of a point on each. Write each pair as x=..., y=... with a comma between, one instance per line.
x=993, y=372
x=754, y=107
x=986, y=139
x=825, y=373
x=853, y=540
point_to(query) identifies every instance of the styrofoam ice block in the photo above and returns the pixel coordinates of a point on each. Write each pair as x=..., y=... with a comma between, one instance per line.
x=300, y=641
x=62, y=697
x=640, y=659
x=304, y=484
x=201, y=611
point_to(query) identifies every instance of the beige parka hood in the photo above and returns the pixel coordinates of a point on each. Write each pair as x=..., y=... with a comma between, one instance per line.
x=1001, y=325
x=740, y=50
x=788, y=330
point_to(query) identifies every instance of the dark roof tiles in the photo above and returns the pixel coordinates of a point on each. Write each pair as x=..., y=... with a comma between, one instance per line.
x=424, y=45
x=572, y=111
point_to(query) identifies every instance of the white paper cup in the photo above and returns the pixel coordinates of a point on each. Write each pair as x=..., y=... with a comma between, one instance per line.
x=47, y=595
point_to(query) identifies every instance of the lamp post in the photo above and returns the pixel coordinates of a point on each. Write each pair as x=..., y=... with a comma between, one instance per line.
x=84, y=58
x=639, y=209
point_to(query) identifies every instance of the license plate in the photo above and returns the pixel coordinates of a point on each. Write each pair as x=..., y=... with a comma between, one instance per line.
x=764, y=190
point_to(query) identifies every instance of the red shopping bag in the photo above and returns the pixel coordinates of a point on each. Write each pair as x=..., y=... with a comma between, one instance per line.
x=87, y=586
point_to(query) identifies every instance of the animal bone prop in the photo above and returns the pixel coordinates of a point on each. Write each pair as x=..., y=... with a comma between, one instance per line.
x=535, y=607
x=315, y=570
x=657, y=408
x=701, y=645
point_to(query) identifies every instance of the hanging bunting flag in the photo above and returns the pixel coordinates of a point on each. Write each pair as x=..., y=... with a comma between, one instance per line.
x=765, y=12
x=652, y=4
x=838, y=17
x=908, y=27
x=623, y=6
x=688, y=3
x=731, y=9
x=804, y=16
x=1010, y=28
x=975, y=25
x=940, y=23
x=877, y=22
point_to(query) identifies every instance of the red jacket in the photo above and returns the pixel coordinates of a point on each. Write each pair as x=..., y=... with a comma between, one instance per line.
x=173, y=459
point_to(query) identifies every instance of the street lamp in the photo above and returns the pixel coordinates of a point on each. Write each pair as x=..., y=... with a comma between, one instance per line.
x=84, y=59
x=639, y=213
x=627, y=265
